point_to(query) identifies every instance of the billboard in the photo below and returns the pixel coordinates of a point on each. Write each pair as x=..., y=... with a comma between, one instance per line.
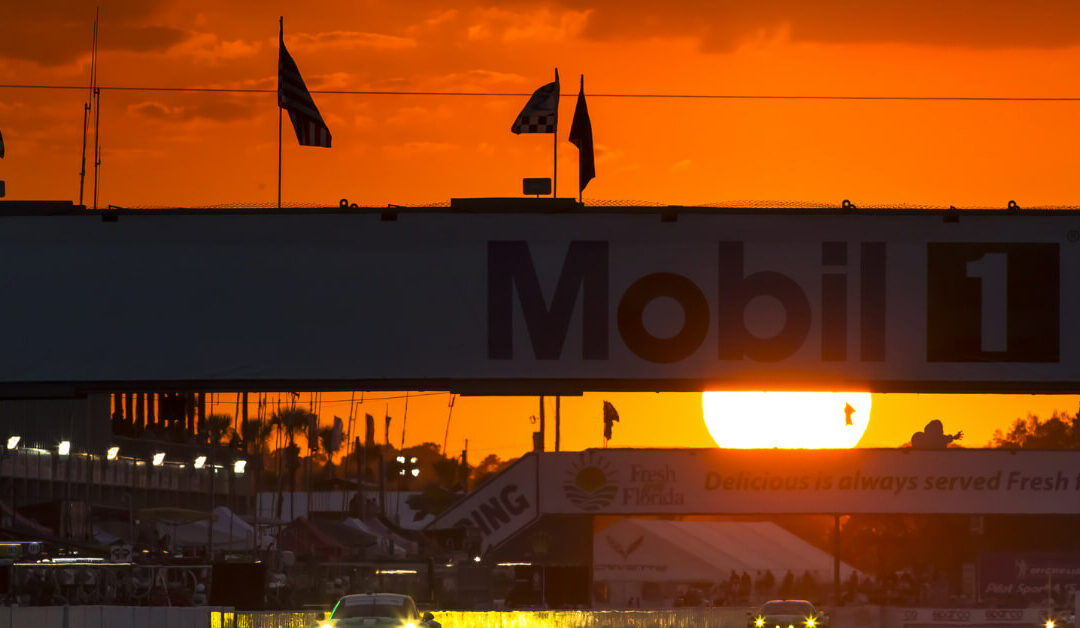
x=1033, y=576
x=507, y=301
x=809, y=481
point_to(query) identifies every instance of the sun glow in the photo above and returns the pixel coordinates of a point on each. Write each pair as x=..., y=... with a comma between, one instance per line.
x=790, y=420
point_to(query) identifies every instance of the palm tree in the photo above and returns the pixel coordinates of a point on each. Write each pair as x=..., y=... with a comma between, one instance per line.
x=255, y=439
x=289, y=422
x=219, y=427
x=328, y=447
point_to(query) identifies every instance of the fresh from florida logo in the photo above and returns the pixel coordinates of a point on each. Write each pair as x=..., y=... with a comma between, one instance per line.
x=590, y=482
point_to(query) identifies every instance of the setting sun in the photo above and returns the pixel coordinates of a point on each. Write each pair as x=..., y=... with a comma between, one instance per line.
x=797, y=420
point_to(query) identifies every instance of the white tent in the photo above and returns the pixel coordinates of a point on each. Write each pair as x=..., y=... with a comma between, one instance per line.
x=230, y=532
x=641, y=550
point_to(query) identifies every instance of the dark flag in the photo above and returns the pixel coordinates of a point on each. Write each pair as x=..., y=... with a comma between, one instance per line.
x=1, y=146
x=293, y=96
x=611, y=416
x=369, y=430
x=581, y=136
x=541, y=113
x=848, y=411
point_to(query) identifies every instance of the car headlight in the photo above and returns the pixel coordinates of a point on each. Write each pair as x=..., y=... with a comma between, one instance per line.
x=810, y=622
x=409, y=625
x=1049, y=623
x=759, y=622
x=326, y=625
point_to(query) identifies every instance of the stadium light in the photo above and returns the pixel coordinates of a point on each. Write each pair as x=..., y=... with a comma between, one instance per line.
x=159, y=458
x=200, y=461
x=64, y=448
x=112, y=453
x=13, y=441
x=238, y=467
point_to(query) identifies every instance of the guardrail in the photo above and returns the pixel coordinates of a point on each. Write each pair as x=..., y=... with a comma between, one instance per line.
x=679, y=618
x=264, y=619
x=203, y=617
x=843, y=617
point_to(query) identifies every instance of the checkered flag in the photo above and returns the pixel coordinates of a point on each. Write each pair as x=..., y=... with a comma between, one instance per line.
x=541, y=113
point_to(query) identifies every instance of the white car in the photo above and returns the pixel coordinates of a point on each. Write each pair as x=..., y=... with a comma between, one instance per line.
x=382, y=610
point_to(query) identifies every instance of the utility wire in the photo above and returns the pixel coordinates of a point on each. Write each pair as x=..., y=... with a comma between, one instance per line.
x=351, y=92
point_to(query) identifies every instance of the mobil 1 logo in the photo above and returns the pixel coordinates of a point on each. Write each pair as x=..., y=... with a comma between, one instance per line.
x=992, y=302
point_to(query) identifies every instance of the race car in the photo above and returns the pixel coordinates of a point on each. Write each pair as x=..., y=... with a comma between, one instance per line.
x=787, y=614
x=373, y=610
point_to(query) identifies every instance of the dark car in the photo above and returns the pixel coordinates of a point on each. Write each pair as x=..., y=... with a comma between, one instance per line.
x=374, y=610
x=787, y=614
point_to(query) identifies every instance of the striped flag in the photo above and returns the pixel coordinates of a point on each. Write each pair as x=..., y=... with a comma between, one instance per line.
x=293, y=96
x=541, y=113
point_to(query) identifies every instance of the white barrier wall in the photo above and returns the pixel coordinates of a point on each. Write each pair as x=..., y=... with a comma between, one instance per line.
x=104, y=617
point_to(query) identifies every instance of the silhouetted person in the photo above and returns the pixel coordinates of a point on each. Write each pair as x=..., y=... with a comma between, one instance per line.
x=933, y=436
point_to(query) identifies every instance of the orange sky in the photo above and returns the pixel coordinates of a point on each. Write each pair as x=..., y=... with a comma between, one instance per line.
x=192, y=149
x=503, y=425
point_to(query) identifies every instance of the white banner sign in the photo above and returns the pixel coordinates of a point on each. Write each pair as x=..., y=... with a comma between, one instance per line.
x=499, y=508
x=849, y=481
x=494, y=302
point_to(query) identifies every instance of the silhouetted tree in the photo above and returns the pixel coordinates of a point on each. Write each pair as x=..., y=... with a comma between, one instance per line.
x=1061, y=431
x=433, y=500
x=289, y=422
x=218, y=427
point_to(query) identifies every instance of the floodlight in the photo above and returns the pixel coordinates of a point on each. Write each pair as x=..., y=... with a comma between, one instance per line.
x=13, y=441
x=238, y=467
x=112, y=453
x=415, y=472
x=401, y=459
x=64, y=448
x=200, y=461
x=159, y=458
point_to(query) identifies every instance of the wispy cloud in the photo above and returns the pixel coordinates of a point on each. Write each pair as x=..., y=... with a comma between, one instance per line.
x=347, y=40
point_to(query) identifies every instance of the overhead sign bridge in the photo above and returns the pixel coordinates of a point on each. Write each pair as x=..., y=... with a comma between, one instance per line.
x=767, y=482
x=521, y=295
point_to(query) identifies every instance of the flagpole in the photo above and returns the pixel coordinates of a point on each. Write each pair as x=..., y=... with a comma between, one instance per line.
x=555, y=143
x=580, y=188
x=279, y=158
x=281, y=34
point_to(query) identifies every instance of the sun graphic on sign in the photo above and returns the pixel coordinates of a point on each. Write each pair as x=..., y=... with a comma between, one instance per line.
x=590, y=482
x=790, y=420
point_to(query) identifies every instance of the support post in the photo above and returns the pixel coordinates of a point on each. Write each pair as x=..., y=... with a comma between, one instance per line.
x=543, y=432
x=836, y=561
x=558, y=422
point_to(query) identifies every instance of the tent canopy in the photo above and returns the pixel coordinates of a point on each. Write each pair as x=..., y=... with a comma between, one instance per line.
x=230, y=531
x=704, y=551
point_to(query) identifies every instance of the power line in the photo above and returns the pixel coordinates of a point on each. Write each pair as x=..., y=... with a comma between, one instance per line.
x=351, y=92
